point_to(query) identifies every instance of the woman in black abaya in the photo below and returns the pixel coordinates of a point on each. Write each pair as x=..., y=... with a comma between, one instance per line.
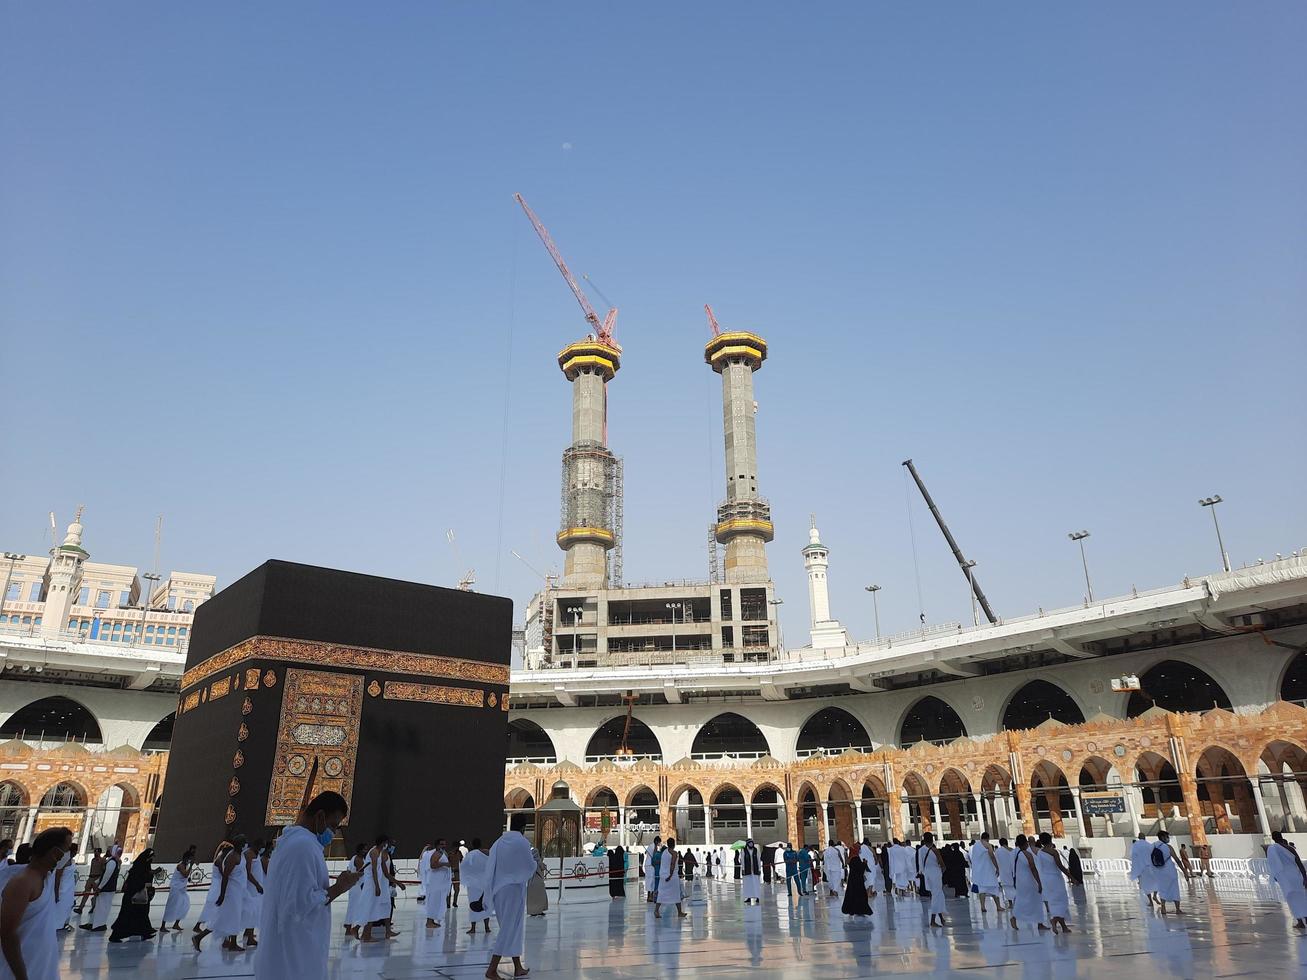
x=855, y=888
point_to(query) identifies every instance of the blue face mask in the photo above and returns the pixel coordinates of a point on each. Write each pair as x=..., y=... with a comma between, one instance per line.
x=326, y=837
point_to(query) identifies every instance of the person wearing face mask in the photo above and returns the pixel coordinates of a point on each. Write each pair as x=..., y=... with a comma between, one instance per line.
x=295, y=923
x=28, y=947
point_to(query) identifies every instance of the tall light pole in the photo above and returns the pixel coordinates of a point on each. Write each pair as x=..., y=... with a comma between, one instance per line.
x=673, y=606
x=10, y=557
x=875, y=606
x=967, y=567
x=151, y=578
x=776, y=615
x=1211, y=502
x=1079, y=538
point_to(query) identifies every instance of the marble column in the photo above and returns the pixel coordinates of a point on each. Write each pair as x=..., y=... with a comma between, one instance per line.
x=1261, y=809
x=621, y=825
x=936, y=823
x=980, y=812
x=1027, y=809
x=1189, y=790
x=1129, y=793
x=1077, y=818
x=822, y=831
x=748, y=821
x=707, y=825
x=857, y=815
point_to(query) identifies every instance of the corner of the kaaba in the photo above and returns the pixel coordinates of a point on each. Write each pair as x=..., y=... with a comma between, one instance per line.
x=392, y=693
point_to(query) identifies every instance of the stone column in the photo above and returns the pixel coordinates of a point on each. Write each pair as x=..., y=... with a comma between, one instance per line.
x=897, y=816
x=707, y=825
x=857, y=815
x=28, y=830
x=1128, y=792
x=666, y=820
x=1261, y=808
x=1189, y=791
x=1077, y=818
x=1027, y=809
x=980, y=812
x=822, y=831
x=621, y=825
x=936, y=823
x=748, y=821
x=86, y=829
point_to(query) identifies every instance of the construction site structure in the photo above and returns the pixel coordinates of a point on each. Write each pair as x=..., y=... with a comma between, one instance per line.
x=744, y=523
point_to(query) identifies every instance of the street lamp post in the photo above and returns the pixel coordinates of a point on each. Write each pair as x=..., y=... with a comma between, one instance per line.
x=1211, y=502
x=151, y=578
x=875, y=606
x=11, y=558
x=1079, y=538
x=776, y=616
x=672, y=607
x=975, y=619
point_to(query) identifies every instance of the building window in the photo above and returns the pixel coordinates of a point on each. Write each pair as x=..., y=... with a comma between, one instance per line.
x=72, y=624
x=172, y=603
x=125, y=597
x=27, y=620
x=35, y=594
x=84, y=596
x=182, y=631
x=149, y=629
x=15, y=592
x=188, y=606
x=102, y=600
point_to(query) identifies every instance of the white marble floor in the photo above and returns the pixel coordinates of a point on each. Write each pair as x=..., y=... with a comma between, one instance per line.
x=1231, y=928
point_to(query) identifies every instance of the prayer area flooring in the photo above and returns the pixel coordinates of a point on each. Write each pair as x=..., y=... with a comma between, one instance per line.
x=1232, y=928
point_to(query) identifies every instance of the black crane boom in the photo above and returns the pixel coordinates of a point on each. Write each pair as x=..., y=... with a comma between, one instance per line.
x=952, y=543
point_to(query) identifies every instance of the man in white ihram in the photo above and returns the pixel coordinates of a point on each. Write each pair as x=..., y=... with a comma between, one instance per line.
x=295, y=924
x=508, y=869
x=985, y=873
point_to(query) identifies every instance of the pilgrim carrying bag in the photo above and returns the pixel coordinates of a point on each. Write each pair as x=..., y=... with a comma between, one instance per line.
x=478, y=905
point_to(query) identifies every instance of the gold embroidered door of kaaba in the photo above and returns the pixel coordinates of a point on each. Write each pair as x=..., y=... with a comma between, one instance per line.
x=319, y=719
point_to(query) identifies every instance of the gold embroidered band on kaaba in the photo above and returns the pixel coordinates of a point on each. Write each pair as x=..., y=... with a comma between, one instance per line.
x=320, y=654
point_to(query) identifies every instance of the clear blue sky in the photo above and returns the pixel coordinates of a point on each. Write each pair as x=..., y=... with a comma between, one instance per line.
x=259, y=265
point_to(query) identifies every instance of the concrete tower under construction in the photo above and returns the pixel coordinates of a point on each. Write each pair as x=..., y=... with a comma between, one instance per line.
x=744, y=518
x=589, y=523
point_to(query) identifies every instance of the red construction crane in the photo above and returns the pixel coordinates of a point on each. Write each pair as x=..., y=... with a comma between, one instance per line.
x=712, y=320
x=603, y=331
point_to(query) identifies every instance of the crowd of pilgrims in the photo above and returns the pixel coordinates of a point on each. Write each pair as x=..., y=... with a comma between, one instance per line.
x=39, y=885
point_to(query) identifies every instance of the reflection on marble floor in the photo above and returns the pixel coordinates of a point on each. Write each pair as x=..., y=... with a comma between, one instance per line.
x=1231, y=928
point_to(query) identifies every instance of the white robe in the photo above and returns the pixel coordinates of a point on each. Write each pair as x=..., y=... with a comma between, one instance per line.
x=832, y=867
x=472, y=875
x=67, y=877
x=1164, y=881
x=440, y=882
x=229, y=917
x=1139, y=861
x=295, y=924
x=253, y=906
x=870, y=877
x=984, y=873
x=1028, y=907
x=1284, y=869
x=934, y=875
x=178, y=905
x=210, y=910
x=1007, y=866
x=424, y=872
x=354, y=904
x=509, y=867
x=376, y=891
x=900, y=865
x=36, y=935
x=1054, y=886
x=669, y=879
x=104, y=900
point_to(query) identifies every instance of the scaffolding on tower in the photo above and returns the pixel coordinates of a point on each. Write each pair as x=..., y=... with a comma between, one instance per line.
x=714, y=556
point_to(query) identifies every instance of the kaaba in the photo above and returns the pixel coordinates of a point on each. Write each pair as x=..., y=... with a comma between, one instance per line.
x=393, y=694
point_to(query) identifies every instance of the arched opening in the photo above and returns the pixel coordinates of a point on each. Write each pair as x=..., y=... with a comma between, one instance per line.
x=921, y=810
x=832, y=730
x=599, y=816
x=930, y=720
x=957, y=805
x=1161, y=799
x=727, y=809
x=841, y=820
x=1050, y=799
x=1176, y=686
x=528, y=742
x=998, y=802
x=116, y=817
x=688, y=816
x=1282, y=776
x=1036, y=702
x=13, y=811
x=1098, y=776
x=1225, y=796
x=55, y=719
x=810, y=830
x=607, y=740
x=63, y=804
x=766, y=815
x=642, y=817
x=160, y=737
x=731, y=735
x=1294, y=685
x=876, y=822
x=520, y=801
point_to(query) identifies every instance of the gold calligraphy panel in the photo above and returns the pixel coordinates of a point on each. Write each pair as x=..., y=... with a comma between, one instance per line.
x=319, y=719
x=465, y=697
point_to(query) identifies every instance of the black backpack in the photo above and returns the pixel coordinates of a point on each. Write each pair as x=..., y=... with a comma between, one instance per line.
x=1158, y=856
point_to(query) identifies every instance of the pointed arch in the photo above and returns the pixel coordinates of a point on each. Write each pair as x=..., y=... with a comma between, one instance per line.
x=1293, y=682
x=528, y=742
x=55, y=718
x=831, y=730
x=1175, y=685
x=729, y=734
x=1035, y=702
x=607, y=739
x=930, y=719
